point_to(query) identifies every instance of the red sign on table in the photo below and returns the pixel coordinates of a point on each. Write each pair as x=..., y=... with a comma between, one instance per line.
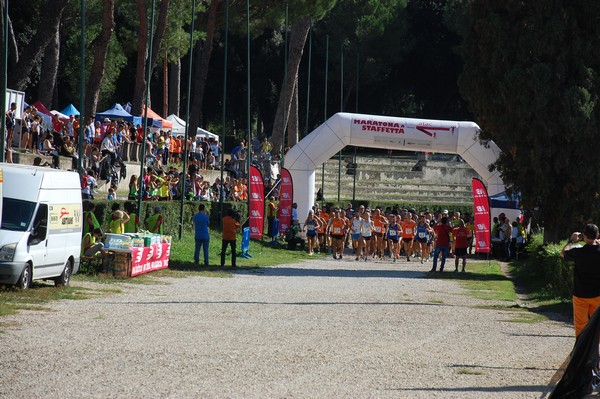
x=149, y=259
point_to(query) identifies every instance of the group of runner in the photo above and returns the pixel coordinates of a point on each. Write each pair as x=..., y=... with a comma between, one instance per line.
x=378, y=234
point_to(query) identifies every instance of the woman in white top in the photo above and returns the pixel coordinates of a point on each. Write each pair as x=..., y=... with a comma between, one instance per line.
x=355, y=233
x=366, y=230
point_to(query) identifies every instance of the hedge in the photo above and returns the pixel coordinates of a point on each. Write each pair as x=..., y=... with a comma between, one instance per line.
x=170, y=211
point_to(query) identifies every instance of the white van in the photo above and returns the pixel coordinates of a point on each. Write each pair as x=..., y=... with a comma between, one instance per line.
x=40, y=225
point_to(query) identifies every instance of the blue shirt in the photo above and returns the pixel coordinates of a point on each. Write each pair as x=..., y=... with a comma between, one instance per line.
x=201, y=222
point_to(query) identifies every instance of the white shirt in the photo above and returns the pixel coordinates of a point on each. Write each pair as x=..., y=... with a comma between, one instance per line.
x=366, y=228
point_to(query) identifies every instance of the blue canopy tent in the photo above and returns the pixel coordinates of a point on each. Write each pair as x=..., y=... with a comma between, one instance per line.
x=503, y=201
x=70, y=110
x=117, y=112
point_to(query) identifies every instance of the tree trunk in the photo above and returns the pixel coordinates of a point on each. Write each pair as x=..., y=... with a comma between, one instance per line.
x=159, y=34
x=49, y=71
x=298, y=36
x=140, y=70
x=101, y=44
x=202, y=62
x=293, y=129
x=28, y=58
x=174, y=87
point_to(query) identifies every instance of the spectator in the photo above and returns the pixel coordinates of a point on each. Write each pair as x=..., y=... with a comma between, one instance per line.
x=117, y=219
x=442, y=233
x=230, y=227
x=292, y=237
x=133, y=224
x=154, y=222
x=202, y=237
x=586, y=275
x=91, y=244
x=461, y=241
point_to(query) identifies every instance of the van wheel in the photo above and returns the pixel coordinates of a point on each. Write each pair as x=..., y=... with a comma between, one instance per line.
x=65, y=277
x=24, y=281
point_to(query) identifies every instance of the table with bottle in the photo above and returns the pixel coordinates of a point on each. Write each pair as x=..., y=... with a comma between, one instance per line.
x=135, y=254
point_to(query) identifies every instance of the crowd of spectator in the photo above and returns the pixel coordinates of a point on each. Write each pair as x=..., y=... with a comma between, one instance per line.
x=106, y=143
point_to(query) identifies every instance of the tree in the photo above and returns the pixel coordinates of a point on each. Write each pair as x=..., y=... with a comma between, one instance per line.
x=142, y=56
x=531, y=75
x=49, y=71
x=101, y=45
x=302, y=14
x=29, y=56
x=203, y=56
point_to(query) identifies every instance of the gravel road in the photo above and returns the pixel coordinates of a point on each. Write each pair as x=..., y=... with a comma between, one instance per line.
x=321, y=329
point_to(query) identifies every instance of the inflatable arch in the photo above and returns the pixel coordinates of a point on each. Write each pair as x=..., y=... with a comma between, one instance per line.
x=345, y=129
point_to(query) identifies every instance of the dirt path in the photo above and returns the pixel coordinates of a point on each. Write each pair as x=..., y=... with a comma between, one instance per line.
x=323, y=329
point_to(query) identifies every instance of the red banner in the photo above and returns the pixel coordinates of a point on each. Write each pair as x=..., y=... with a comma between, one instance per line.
x=286, y=198
x=482, y=222
x=149, y=259
x=257, y=203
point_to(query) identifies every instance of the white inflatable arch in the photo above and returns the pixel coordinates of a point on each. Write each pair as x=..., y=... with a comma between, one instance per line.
x=345, y=129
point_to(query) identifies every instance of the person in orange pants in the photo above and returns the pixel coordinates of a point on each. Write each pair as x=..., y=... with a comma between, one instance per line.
x=586, y=275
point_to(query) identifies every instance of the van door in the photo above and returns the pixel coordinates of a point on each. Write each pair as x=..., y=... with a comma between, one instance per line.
x=38, y=242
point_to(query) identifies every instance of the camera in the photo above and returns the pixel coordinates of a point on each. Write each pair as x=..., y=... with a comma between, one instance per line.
x=580, y=236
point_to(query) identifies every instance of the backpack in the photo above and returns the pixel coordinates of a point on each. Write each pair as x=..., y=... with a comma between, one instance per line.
x=84, y=182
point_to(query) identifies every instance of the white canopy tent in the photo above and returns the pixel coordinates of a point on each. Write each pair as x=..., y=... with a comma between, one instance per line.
x=373, y=131
x=178, y=124
x=205, y=133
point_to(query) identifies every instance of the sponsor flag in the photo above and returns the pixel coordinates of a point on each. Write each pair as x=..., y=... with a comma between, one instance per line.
x=481, y=209
x=286, y=198
x=257, y=203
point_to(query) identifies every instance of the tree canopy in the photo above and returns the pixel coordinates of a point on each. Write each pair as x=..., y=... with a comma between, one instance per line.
x=531, y=76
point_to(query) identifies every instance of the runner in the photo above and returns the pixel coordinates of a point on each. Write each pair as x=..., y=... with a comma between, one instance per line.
x=323, y=239
x=408, y=233
x=379, y=226
x=393, y=236
x=311, y=225
x=366, y=229
x=337, y=230
x=354, y=230
x=422, y=239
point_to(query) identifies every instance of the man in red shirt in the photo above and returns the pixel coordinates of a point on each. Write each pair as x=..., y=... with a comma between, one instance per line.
x=230, y=227
x=461, y=242
x=441, y=232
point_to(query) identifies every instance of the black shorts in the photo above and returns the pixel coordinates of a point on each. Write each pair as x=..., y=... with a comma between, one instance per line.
x=460, y=251
x=366, y=238
x=394, y=239
x=407, y=240
x=422, y=240
x=337, y=237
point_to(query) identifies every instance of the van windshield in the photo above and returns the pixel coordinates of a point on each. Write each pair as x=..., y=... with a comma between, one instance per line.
x=16, y=214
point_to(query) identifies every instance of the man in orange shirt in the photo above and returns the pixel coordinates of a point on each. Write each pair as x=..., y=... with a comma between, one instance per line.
x=230, y=227
x=408, y=234
x=379, y=229
x=337, y=230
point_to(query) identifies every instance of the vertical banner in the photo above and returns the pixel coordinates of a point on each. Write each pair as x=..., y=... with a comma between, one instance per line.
x=286, y=198
x=482, y=222
x=257, y=203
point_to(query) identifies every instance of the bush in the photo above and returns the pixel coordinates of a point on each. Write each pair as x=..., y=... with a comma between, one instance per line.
x=545, y=267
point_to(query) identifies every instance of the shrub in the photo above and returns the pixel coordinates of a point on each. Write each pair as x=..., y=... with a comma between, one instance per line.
x=545, y=266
